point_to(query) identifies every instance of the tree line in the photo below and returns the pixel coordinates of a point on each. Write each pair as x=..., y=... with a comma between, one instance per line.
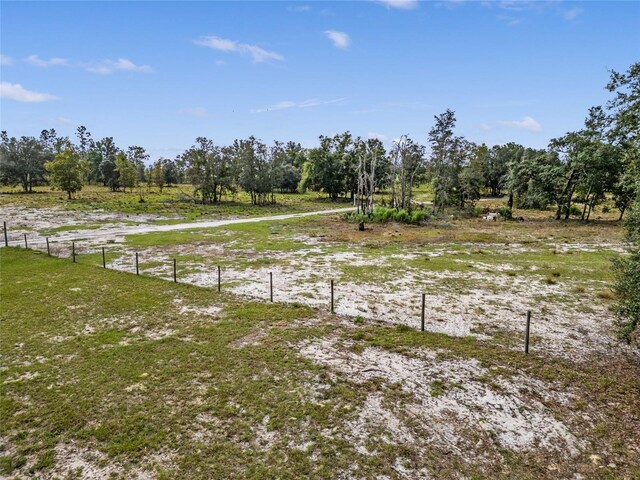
x=574, y=174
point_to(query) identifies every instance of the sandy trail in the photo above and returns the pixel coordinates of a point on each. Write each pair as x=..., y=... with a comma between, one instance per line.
x=119, y=231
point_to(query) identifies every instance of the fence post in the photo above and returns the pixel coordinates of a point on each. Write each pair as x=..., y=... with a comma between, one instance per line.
x=48, y=249
x=271, y=286
x=526, y=335
x=137, y=269
x=332, y=309
x=175, y=275
x=104, y=262
x=73, y=251
x=422, y=318
x=218, y=278
x=6, y=239
x=25, y=241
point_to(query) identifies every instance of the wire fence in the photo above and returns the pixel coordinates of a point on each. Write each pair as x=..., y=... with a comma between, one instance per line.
x=74, y=249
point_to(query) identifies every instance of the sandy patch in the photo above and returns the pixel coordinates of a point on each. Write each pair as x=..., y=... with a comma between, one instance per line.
x=463, y=401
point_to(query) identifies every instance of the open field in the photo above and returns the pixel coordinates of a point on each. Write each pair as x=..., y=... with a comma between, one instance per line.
x=174, y=204
x=107, y=374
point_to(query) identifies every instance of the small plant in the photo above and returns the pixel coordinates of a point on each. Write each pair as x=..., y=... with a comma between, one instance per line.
x=418, y=217
x=402, y=216
x=437, y=388
x=506, y=213
x=606, y=209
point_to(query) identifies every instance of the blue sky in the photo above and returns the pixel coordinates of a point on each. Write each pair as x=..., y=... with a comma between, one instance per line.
x=159, y=74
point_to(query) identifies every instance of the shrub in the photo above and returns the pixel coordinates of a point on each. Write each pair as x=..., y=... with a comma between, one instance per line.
x=402, y=216
x=506, y=213
x=574, y=211
x=418, y=217
x=606, y=209
x=627, y=278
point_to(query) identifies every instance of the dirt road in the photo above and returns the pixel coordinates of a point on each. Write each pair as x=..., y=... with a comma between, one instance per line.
x=112, y=231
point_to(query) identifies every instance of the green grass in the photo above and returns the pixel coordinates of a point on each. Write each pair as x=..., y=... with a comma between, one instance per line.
x=109, y=361
x=171, y=202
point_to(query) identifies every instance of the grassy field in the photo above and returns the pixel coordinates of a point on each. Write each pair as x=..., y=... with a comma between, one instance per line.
x=174, y=203
x=108, y=374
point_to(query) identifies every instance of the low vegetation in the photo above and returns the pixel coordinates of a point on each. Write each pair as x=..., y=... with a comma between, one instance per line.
x=111, y=375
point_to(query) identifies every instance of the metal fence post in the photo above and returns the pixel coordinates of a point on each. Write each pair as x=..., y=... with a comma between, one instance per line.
x=48, y=249
x=422, y=318
x=137, y=268
x=104, y=262
x=25, y=241
x=175, y=274
x=6, y=239
x=271, y=286
x=73, y=251
x=332, y=304
x=526, y=335
x=218, y=278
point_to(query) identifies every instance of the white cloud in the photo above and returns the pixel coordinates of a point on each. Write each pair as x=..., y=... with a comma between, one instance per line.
x=572, y=13
x=15, y=91
x=4, y=60
x=379, y=136
x=107, y=67
x=290, y=104
x=256, y=53
x=339, y=39
x=527, y=123
x=194, y=112
x=300, y=8
x=64, y=121
x=36, y=61
x=400, y=4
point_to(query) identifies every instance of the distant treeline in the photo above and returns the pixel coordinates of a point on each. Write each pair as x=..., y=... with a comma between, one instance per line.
x=581, y=167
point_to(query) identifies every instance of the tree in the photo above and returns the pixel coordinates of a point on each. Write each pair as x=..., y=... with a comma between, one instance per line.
x=256, y=172
x=627, y=280
x=446, y=159
x=67, y=171
x=407, y=157
x=138, y=156
x=171, y=171
x=369, y=153
x=471, y=177
x=532, y=177
x=157, y=174
x=323, y=171
x=210, y=169
x=623, y=115
x=105, y=158
x=22, y=161
x=127, y=173
x=496, y=167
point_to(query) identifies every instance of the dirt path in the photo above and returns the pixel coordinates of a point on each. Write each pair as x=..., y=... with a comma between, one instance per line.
x=109, y=232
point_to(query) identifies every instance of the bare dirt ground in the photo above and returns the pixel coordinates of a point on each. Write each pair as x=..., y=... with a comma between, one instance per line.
x=481, y=299
x=417, y=398
x=110, y=226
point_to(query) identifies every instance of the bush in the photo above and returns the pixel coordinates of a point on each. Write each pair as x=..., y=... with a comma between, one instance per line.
x=606, y=209
x=574, y=211
x=383, y=214
x=627, y=278
x=402, y=216
x=627, y=274
x=418, y=217
x=506, y=213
